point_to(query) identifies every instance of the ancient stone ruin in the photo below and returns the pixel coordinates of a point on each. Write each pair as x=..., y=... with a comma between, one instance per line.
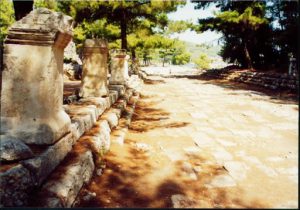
x=119, y=67
x=31, y=103
x=32, y=88
x=95, y=69
x=41, y=137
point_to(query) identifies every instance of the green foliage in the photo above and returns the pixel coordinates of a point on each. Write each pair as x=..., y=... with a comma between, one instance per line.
x=203, y=62
x=128, y=15
x=6, y=17
x=50, y=4
x=239, y=23
x=250, y=37
x=178, y=26
x=181, y=58
x=99, y=28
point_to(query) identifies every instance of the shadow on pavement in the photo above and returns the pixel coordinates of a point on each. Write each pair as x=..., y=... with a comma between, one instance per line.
x=276, y=96
x=135, y=178
x=122, y=184
x=146, y=117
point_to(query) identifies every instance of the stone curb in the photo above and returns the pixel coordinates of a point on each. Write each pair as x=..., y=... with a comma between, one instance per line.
x=65, y=183
x=84, y=114
x=125, y=121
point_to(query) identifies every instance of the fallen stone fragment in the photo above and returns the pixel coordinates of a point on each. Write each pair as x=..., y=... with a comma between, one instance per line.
x=182, y=201
x=142, y=146
x=99, y=172
x=12, y=149
x=89, y=196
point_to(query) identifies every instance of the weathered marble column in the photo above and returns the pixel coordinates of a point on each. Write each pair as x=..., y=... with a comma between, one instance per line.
x=95, y=69
x=32, y=80
x=119, y=68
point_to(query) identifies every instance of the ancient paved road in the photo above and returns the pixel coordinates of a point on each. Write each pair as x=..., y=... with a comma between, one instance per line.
x=197, y=144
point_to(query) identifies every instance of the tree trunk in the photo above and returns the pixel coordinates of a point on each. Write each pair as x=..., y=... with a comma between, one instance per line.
x=123, y=30
x=133, y=56
x=164, y=60
x=247, y=56
x=22, y=8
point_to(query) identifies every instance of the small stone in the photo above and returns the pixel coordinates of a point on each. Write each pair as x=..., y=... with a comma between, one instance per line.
x=99, y=172
x=142, y=147
x=13, y=149
x=89, y=196
x=182, y=201
x=187, y=167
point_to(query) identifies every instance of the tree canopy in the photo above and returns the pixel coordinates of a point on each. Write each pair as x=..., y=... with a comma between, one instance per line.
x=125, y=14
x=251, y=37
x=7, y=17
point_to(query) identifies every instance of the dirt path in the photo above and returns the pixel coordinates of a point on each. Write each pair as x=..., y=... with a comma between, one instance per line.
x=194, y=144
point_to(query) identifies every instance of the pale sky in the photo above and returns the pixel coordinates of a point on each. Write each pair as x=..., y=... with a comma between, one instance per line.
x=189, y=13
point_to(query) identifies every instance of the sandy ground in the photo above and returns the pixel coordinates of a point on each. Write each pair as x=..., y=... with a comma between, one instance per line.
x=194, y=143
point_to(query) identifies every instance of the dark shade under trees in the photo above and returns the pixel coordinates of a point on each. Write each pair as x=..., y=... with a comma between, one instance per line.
x=22, y=8
x=256, y=34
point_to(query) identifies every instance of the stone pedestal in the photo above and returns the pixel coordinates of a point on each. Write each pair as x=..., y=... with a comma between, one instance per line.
x=119, y=68
x=32, y=80
x=95, y=69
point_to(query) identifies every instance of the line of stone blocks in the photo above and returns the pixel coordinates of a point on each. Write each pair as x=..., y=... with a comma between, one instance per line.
x=271, y=81
x=264, y=79
x=65, y=182
x=31, y=173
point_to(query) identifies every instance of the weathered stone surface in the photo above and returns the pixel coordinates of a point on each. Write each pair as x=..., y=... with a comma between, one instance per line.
x=182, y=201
x=15, y=185
x=12, y=149
x=45, y=163
x=104, y=131
x=70, y=53
x=89, y=110
x=238, y=170
x=32, y=89
x=112, y=117
x=85, y=113
x=61, y=189
x=221, y=181
x=119, y=88
x=102, y=103
x=72, y=71
x=120, y=104
x=83, y=122
x=99, y=137
x=95, y=69
x=127, y=95
x=119, y=68
x=113, y=96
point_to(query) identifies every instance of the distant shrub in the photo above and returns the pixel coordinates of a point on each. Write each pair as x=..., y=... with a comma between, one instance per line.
x=203, y=62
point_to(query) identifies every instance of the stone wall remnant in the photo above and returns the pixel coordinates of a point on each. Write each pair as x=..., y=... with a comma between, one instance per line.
x=119, y=68
x=94, y=76
x=32, y=79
